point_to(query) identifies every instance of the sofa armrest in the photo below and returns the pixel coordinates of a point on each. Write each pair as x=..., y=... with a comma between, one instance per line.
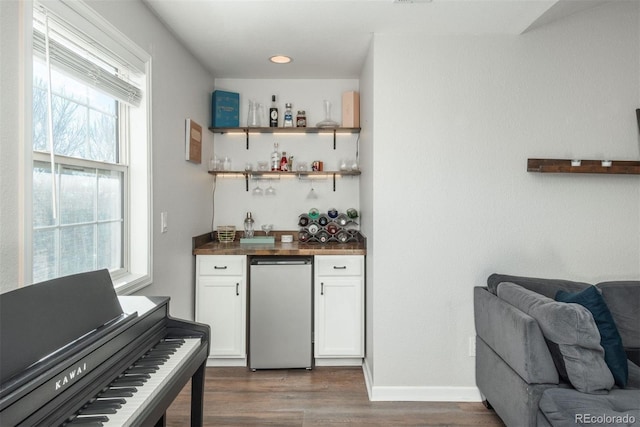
x=514, y=336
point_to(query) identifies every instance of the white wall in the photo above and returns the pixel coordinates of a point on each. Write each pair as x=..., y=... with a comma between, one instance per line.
x=461, y=115
x=10, y=170
x=232, y=201
x=181, y=90
x=367, y=192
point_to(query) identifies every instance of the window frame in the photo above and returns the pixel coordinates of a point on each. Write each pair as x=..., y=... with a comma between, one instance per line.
x=134, y=128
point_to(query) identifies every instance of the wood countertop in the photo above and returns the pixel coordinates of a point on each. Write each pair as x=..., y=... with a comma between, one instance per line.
x=204, y=245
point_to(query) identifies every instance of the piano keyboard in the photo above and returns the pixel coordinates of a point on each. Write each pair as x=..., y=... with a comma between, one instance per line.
x=120, y=403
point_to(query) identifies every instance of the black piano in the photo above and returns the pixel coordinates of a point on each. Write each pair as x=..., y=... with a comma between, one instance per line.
x=73, y=353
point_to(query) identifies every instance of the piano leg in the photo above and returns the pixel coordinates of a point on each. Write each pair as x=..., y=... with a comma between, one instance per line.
x=162, y=422
x=197, y=396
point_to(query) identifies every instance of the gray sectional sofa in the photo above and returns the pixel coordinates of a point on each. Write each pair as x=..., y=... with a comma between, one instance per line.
x=542, y=362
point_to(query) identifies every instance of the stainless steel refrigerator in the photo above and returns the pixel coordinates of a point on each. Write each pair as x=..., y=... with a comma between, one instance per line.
x=280, y=313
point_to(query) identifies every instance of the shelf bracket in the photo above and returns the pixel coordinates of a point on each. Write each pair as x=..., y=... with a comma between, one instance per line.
x=246, y=182
x=334, y=180
x=246, y=133
x=334, y=147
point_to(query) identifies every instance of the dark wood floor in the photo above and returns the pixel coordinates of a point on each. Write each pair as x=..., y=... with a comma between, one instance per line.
x=321, y=397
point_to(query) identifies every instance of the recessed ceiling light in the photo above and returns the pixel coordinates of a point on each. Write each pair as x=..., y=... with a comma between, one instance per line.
x=280, y=59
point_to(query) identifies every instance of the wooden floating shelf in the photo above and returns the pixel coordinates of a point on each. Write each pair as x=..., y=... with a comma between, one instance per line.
x=621, y=167
x=283, y=130
x=294, y=173
x=293, y=130
x=299, y=174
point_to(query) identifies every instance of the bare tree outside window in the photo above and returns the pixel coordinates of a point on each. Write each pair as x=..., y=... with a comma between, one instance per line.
x=88, y=231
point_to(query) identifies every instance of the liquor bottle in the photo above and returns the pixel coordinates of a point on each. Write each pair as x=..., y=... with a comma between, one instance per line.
x=275, y=158
x=273, y=113
x=288, y=116
x=284, y=163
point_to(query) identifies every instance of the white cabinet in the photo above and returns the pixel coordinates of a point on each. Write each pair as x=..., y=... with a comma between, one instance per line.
x=221, y=289
x=339, y=309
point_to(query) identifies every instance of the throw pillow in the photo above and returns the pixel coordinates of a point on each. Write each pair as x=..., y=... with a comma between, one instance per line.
x=572, y=327
x=610, y=339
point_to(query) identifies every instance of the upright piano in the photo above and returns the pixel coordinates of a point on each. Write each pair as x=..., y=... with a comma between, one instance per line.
x=73, y=353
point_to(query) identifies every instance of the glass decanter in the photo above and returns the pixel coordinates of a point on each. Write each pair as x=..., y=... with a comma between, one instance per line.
x=327, y=122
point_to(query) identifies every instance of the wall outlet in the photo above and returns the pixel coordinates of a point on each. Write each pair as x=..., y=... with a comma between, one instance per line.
x=472, y=346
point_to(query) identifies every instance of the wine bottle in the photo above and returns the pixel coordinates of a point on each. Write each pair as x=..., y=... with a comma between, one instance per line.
x=275, y=158
x=273, y=113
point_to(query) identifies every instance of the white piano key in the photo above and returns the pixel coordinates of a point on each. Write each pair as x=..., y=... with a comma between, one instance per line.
x=130, y=411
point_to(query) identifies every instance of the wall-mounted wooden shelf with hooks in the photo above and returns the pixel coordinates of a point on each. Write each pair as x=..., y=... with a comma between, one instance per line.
x=624, y=167
x=276, y=174
x=294, y=130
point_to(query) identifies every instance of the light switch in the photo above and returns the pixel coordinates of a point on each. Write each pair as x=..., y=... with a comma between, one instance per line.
x=163, y=222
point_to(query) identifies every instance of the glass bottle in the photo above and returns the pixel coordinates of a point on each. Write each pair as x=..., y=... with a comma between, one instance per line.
x=301, y=119
x=273, y=113
x=288, y=116
x=284, y=162
x=275, y=158
x=248, y=226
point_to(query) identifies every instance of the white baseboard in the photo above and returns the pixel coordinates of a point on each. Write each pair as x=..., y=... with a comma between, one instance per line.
x=356, y=361
x=225, y=362
x=417, y=393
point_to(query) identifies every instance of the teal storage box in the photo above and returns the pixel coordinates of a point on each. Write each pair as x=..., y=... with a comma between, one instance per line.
x=225, y=109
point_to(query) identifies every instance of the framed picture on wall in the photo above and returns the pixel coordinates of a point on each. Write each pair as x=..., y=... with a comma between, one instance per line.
x=193, y=141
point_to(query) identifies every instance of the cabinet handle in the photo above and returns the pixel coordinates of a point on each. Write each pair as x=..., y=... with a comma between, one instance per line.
x=237, y=289
x=215, y=267
x=336, y=267
x=321, y=288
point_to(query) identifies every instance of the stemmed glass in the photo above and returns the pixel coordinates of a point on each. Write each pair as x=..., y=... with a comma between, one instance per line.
x=312, y=195
x=270, y=191
x=257, y=191
x=267, y=228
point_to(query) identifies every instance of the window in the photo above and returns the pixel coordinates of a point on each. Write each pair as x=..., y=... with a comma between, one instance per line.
x=87, y=104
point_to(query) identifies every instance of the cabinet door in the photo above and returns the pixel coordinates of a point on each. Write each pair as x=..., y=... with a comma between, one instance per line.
x=338, y=317
x=221, y=305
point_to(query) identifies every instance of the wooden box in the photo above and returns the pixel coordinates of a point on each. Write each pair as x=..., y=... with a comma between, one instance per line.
x=351, y=109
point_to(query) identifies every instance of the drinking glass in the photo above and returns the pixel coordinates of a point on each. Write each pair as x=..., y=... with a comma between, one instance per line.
x=257, y=191
x=267, y=228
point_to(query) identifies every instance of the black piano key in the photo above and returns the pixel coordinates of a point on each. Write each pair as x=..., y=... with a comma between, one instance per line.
x=97, y=411
x=141, y=370
x=178, y=340
x=89, y=421
x=141, y=377
x=165, y=352
x=123, y=382
x=151, y=362
x=103, y=404
x=118, y=392
x=85, y=423
x=110, y=401
x=163, y=346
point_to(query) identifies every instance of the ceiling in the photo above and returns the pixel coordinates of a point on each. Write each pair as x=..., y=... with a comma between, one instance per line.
x=331, y=38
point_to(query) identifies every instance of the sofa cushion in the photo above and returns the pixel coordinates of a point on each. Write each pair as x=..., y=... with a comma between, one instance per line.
x=546, y=287
x=568, y=408
x=572, y=327
x=623, y=299
x=610, y=339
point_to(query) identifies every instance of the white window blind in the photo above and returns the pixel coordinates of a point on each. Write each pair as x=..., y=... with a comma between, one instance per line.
x=80, y=56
